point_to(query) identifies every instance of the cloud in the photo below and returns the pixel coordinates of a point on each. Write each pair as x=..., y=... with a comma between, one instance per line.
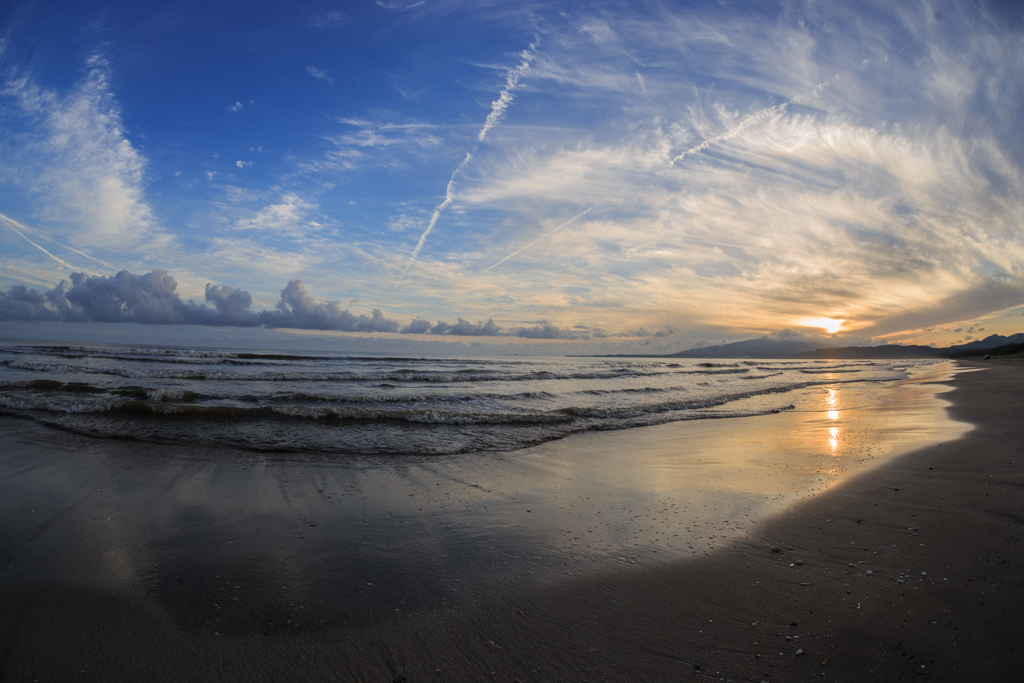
x=152, y=299
x=237, y=106
x=384, y=134
x=400, y=6
x=297, y=309
x=546, y=330
x=319, y=74
x=291, y=215
x=78, y=160
x=326, y=20
x=243, y=164
x=373, y=143
x=23, y=303
x=887, y=196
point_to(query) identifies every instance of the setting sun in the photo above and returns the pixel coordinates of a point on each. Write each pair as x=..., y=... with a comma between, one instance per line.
x=828, y=324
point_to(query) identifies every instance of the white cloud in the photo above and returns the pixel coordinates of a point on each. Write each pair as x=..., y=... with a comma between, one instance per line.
x=319, y=74
x=325, y=19
x=500, y=105
x=291, y=214
x=79, y=160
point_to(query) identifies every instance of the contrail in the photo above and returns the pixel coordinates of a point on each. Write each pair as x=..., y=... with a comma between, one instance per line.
x=499, y=105
x=755, y=118
x=539, y=239
x=449, y=196
x=498, y=108
x=11, y=223
x=24, y=227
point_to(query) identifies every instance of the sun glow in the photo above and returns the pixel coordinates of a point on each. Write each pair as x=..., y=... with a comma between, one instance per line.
x=830, y=325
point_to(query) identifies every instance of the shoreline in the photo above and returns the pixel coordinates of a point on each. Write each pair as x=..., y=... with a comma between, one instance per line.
x=662, y=622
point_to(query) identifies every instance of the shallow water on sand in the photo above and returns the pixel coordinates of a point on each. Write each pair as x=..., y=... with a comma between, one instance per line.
x=228, y=540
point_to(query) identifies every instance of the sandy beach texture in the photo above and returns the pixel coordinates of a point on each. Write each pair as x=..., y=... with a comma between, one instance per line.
x=910, y=570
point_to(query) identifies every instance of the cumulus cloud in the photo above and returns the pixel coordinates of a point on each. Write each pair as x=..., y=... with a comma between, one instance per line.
x=23, y=303
x=152, y=299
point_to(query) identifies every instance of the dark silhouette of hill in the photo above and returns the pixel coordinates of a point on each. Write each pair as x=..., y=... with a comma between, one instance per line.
x=990, y=342
x=752, y=348
x=1004, y=350
x=887, y=351
x=768, y=348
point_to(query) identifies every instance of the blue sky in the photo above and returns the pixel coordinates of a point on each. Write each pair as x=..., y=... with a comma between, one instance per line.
x=600, y=177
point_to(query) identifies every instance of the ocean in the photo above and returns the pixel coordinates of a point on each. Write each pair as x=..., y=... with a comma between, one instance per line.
x=282, y=401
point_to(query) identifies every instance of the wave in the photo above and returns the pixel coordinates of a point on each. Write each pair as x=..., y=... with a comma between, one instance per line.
x=156, y=354
x=402, y=375
x=157, y=403
x=410, y=398
x=140, y=407
x=827, y=371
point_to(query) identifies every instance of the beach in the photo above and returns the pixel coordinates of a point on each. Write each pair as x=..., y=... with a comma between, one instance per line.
x=782, y=547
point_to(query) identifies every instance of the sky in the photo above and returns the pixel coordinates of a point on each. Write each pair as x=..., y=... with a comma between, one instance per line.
x=586, y=177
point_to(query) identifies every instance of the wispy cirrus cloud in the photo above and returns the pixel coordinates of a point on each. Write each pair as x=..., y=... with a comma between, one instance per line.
x=75, y=155
x=783, y=190
x=320, y=74
x=326, y=20
x=754, y=166
x=291, y=214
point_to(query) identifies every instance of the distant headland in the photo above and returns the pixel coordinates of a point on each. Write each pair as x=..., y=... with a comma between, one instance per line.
x=994, y=345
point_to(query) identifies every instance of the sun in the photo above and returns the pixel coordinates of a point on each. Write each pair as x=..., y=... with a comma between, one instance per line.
x=830, y=325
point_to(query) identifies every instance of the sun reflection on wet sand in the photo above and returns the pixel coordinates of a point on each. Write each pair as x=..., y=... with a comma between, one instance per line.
x=833, y=440
x=832, y=405
x=832, y=410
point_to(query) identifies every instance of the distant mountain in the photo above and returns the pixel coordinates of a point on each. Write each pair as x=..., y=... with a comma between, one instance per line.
x=1004, y=350
x=767, y=348
x=752, y=348
x=887, y=351
x=989, y=342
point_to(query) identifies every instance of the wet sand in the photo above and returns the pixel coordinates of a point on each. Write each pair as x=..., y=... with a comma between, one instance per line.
x=480, y=589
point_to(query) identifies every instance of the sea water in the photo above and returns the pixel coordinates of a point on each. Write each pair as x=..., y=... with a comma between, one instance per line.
x=379, y=405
